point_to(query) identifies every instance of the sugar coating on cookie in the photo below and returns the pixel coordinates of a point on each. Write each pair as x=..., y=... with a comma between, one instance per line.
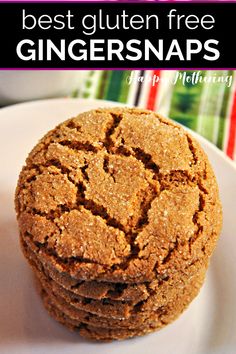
x=119, y=195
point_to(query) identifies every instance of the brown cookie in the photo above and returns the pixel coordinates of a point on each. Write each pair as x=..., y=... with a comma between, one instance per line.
x=119, y=213
x=158, y=292
x=138, y=314
x=125, y=178
x=131, y=293
x=92, y=332
x=117, y=309
x=154, y=320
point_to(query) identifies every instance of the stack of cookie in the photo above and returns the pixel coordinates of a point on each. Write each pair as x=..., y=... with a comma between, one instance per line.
x=118, y=211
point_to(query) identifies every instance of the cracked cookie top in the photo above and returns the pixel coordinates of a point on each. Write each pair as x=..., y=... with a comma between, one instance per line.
x=119, y=195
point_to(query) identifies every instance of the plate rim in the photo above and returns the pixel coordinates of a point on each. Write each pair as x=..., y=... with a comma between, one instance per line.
x=215, y=151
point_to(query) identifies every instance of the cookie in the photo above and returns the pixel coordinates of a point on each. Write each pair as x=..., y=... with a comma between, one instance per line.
x=126, y=178
x=119, y=292
x=117, y=309
x=119, y=213
x=92, y=332
x=161, y=317
x=138, y=315
x=157, y=292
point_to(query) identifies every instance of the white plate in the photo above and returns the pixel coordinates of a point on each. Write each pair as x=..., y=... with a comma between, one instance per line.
x=207, y=327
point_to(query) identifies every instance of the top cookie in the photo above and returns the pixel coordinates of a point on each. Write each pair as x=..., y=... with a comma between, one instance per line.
x=119, y=195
